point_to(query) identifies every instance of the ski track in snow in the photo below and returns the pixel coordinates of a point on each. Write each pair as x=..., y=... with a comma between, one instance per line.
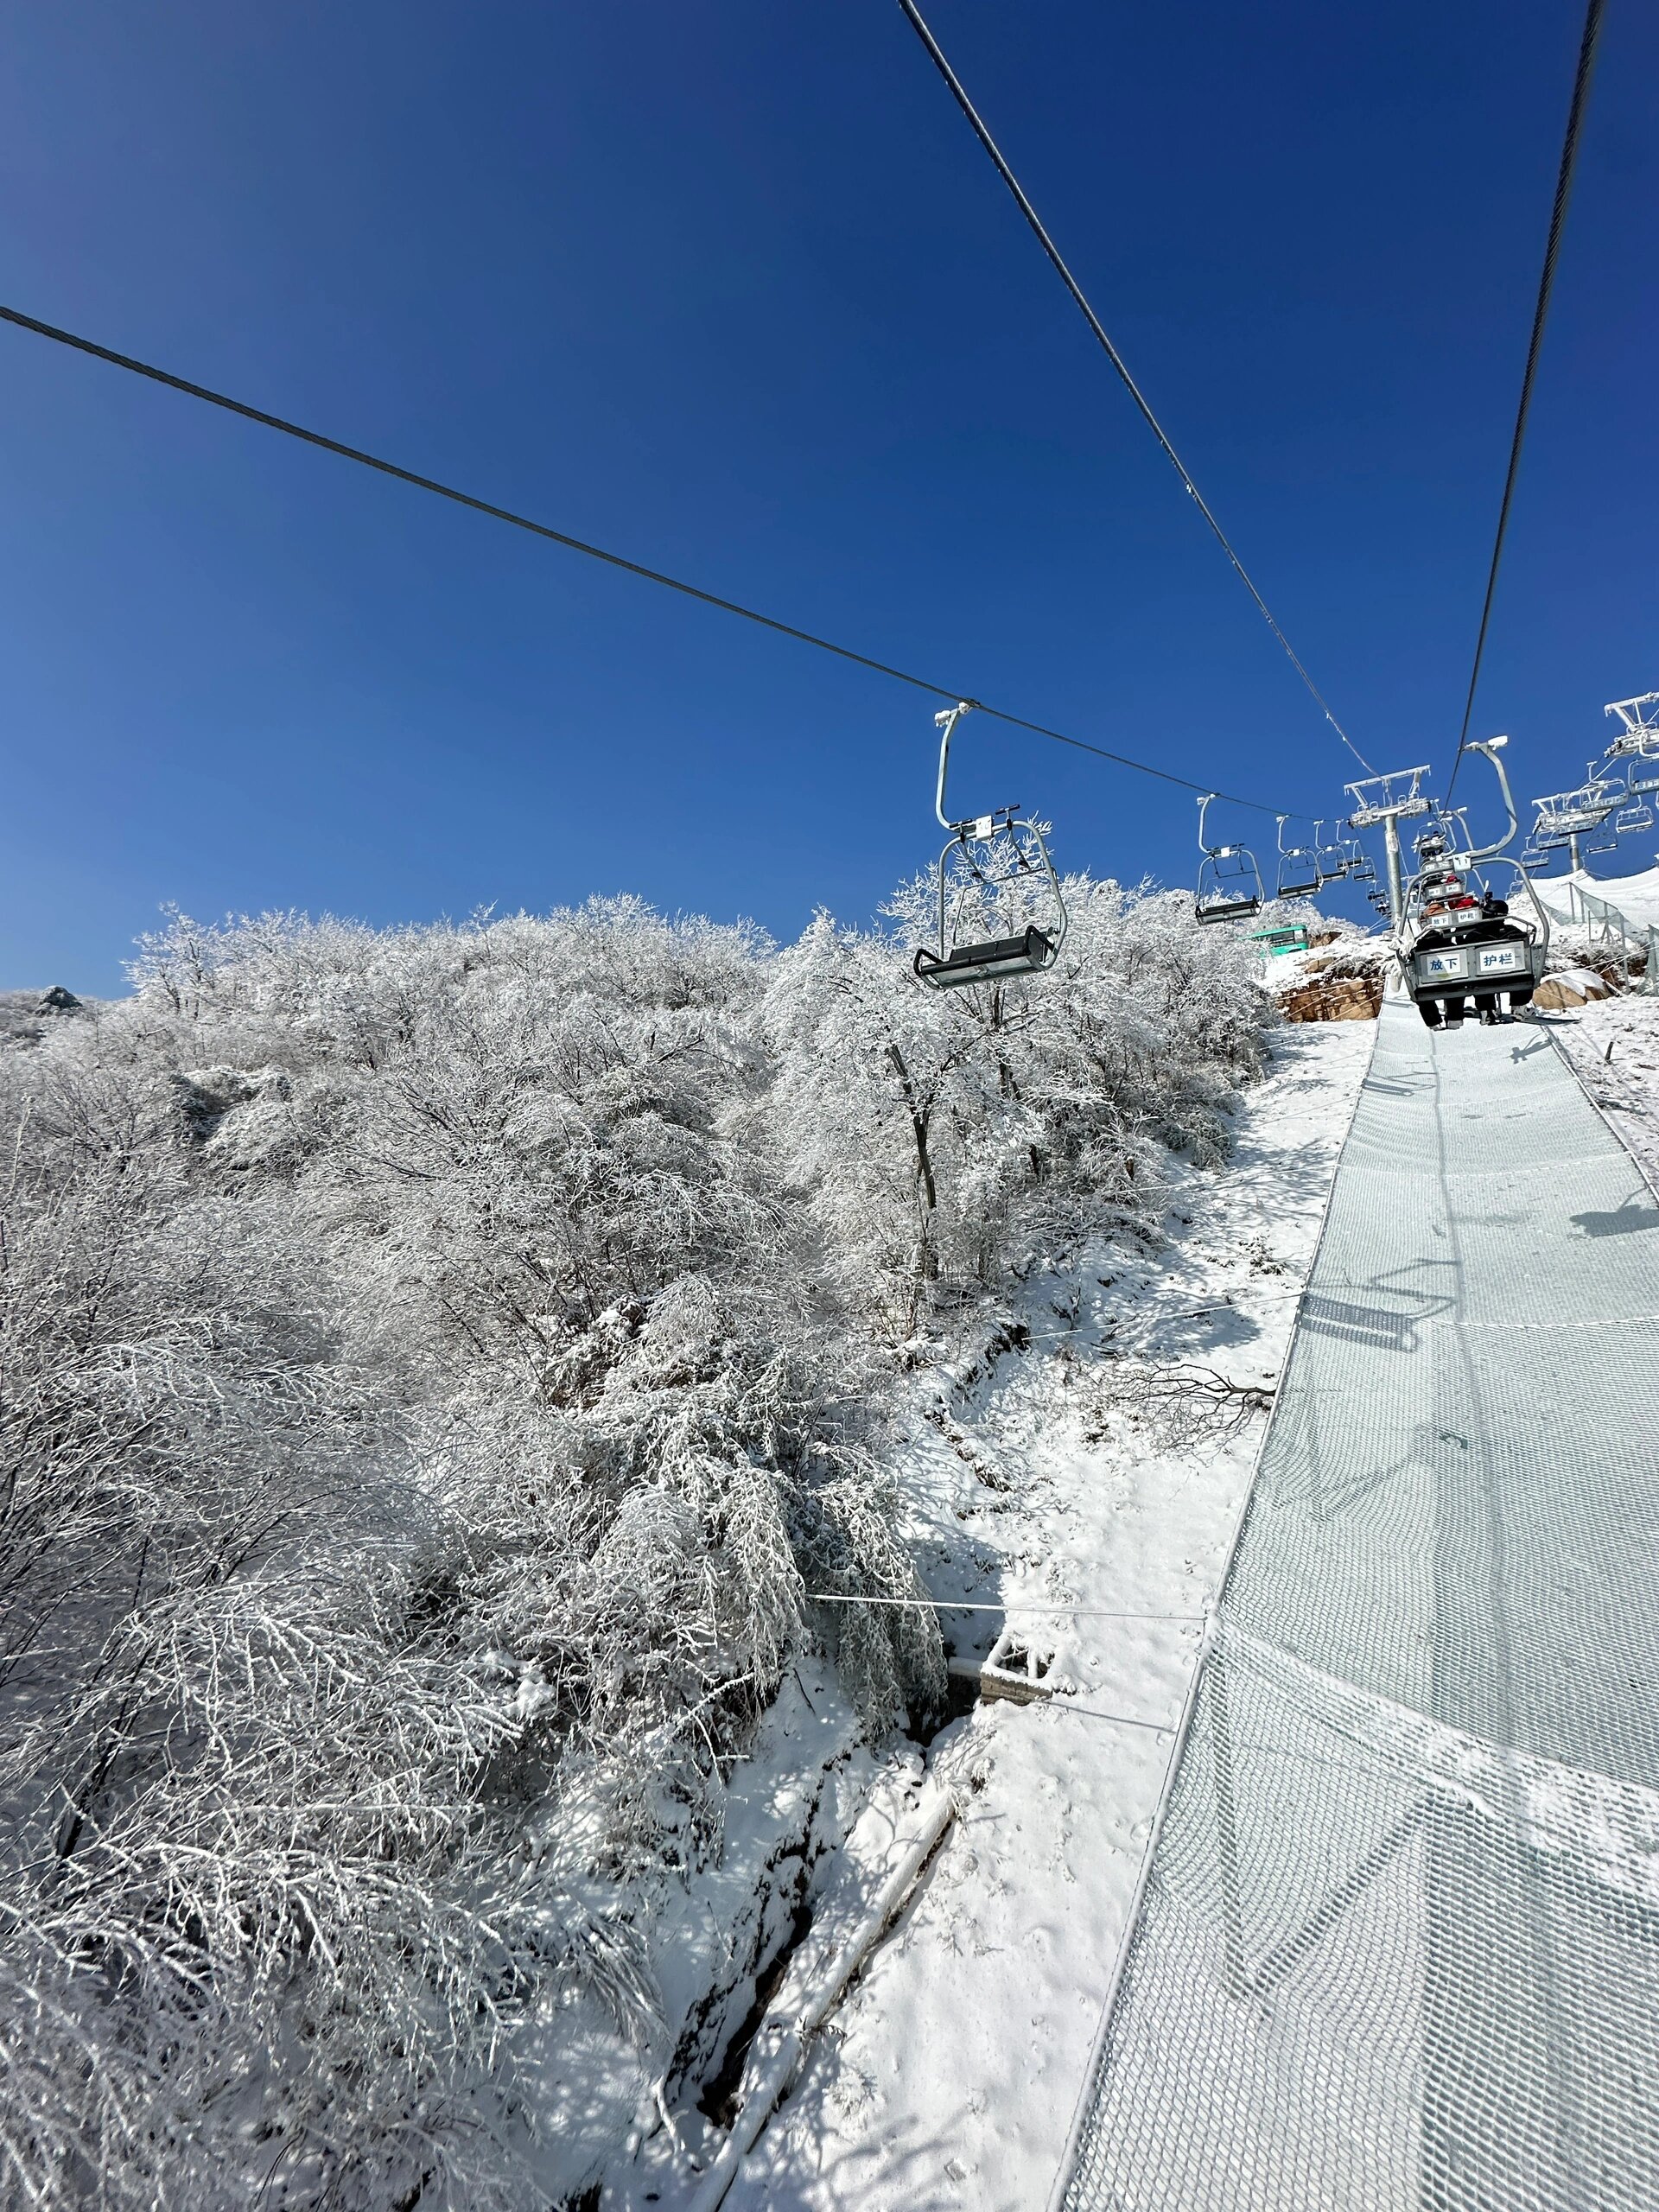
x=948, y=2076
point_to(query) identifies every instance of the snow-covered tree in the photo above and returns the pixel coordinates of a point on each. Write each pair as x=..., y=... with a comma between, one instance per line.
x=441, y=1368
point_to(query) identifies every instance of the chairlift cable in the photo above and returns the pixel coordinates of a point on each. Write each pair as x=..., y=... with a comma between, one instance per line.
x=959, y=94
x=1012, y=1605
x=1545, y=286
x=596, y=552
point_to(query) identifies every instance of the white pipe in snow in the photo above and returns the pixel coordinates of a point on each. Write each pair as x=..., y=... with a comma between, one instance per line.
x=775, y=2076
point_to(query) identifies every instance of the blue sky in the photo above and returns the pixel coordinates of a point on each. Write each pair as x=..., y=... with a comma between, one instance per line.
x=731, y=288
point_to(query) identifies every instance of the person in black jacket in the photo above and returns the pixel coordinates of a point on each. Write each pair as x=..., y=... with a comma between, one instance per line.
x=1494, y=909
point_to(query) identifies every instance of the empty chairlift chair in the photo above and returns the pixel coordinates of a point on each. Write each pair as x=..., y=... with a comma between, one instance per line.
x=1331, y=854
x=1638, y=746
x=1638, y=742
x=1229, y=882
x=995, y=868
x=1360, y=868
x=1299, y=867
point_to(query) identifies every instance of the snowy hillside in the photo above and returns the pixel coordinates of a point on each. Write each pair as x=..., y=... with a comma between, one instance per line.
x=1635, y=896
x=1085, y=1479
x=452, y=1375
x=1615, y=1048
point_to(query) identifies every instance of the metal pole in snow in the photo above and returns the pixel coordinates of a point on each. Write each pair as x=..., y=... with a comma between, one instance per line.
x=1397, y=879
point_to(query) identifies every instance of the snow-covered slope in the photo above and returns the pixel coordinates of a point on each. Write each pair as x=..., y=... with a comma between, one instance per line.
x=1635, y=896
x=1082, y=1480
x=468, y=1395
x=1615, y=1048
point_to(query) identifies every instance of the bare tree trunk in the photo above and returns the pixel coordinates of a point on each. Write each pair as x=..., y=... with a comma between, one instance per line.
x=918, y=1125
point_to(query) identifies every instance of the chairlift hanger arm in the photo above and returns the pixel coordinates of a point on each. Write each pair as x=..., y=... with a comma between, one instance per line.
x=968, y=825
x=945, y=724
x=1216, y=852
x=1492, y=747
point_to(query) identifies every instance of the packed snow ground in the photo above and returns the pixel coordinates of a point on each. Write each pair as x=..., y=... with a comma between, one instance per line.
x=1097, y=1457
x=1615, y=1046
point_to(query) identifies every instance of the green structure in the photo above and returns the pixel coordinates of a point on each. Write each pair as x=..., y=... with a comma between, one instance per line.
x=1290, y=936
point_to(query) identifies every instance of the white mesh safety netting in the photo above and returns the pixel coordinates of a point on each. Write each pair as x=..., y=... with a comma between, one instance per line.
x=1400, y=1941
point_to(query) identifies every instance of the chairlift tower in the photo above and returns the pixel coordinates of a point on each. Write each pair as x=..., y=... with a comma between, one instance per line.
x=1389, y=800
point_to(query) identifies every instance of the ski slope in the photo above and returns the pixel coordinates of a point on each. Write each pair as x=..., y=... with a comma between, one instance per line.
x=1401, y=1940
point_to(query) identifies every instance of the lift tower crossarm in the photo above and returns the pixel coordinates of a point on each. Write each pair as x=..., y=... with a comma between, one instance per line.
x=1387, y=799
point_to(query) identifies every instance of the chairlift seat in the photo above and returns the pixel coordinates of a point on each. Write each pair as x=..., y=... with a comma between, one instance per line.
x=1227, y=906
x=1482, y=953
x=1299, y=886
x=1229, y=882
x=993, y=962
x=993, y=861
x=1492, y=963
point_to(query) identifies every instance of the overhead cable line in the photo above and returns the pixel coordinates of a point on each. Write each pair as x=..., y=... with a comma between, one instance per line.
x=599, y=553
x=1540, y=313
x=1117, y=362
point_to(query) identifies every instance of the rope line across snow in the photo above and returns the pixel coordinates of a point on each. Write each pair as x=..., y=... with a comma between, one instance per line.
x=1008, y=1605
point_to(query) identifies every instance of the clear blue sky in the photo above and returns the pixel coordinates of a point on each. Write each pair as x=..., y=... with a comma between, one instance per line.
x=730, y=288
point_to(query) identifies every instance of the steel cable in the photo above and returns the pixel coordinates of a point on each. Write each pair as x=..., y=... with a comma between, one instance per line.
x=599, y=552
x=1545, y=286
x=1118, y=363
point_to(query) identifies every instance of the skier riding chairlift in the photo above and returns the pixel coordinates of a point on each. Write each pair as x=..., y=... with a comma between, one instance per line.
x=1444, y=894
x=1455, y=934
x=992, y=859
